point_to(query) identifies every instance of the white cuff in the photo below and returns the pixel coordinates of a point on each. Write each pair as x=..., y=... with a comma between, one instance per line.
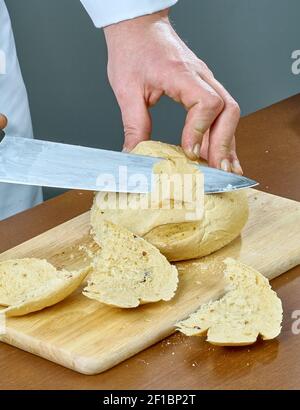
x=106, y=12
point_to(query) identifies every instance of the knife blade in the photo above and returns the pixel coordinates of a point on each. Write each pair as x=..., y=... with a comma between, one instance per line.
x=51, y=164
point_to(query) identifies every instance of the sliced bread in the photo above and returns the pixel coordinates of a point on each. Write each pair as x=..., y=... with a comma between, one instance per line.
x=129, y=271
x=28, y=285
x=249, y=308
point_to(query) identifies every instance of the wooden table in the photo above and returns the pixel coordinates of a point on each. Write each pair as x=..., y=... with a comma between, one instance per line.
x=269, y=147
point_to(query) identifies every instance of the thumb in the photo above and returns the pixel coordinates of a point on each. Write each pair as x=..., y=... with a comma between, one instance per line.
x=136, y=121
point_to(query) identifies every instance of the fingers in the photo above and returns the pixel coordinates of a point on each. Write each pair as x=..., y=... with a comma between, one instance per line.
x=3, y=121
x=235, y=163
x=136, y=121
x=204, y=146
x=204, y=105
x=221, y=149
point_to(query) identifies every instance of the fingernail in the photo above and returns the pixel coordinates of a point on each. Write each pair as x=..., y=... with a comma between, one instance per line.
x=196, y=150
x=225, y=165
x=125, y=149
x=236, y=167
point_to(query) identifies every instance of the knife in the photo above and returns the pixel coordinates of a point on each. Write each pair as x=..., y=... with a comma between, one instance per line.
x=44, y=163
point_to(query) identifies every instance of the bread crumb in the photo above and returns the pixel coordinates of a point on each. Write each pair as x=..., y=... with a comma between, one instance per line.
x=87, y=251
x=143, y=361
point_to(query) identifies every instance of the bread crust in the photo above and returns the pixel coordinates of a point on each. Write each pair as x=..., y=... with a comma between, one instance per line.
x=224, y=217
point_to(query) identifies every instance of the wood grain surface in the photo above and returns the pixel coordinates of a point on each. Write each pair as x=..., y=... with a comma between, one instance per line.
x=181, y=362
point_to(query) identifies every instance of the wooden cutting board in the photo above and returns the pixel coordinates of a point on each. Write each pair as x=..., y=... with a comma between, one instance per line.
x=90, y=337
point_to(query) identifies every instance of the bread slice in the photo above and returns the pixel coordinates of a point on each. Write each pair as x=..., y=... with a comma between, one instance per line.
x=249, y=308
x=170, y=231
x=129, y=271
x=28, y=285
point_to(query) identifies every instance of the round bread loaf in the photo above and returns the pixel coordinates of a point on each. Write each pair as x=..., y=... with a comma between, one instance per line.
x=224, y=217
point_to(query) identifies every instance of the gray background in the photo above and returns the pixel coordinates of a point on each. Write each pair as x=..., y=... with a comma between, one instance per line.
x=246, y=43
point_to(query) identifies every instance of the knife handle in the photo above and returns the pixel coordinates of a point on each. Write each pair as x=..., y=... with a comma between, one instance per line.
x=2, y=135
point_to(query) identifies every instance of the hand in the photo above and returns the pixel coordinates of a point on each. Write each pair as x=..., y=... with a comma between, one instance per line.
x=147, y=59
x=3, y=121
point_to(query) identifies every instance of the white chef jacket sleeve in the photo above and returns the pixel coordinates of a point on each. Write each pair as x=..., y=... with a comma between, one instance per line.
x=106, y=12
